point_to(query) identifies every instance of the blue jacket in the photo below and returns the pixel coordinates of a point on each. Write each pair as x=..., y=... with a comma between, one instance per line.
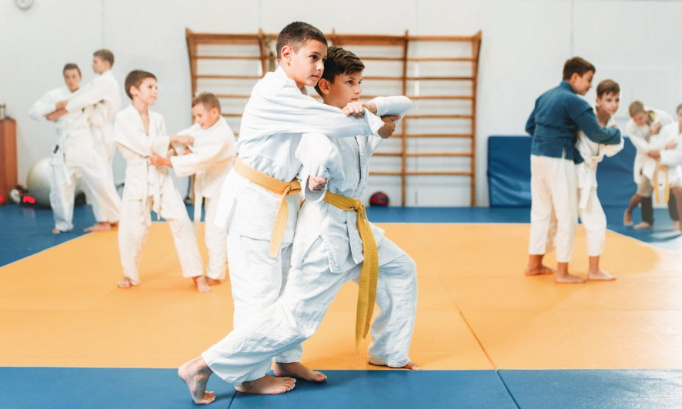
x=554, y=123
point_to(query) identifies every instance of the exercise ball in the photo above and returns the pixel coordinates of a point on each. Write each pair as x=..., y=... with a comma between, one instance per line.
x=38, y=181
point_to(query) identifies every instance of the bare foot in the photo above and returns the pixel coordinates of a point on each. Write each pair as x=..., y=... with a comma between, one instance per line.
x=568, y=279
x=627, y=219
x=212, y=281
x=538, y=271
x=101, y=226
x=195, y=374
x=599, y=275
x=298, y=370
x=412, y=366
x=267, y=385
x=56, y=231
x=643, y=225
x=202, y=285
x=125, y=283
x=676, y=225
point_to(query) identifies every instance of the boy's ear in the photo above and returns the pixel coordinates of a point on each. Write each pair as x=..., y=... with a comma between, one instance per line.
x=285, y=54
x=324, y=85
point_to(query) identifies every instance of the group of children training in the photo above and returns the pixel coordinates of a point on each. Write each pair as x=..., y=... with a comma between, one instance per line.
x=90, y=125
x=569, y=139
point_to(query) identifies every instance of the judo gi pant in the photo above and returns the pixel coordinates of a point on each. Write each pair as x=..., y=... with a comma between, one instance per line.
x=216, y=241
x=244, y=354
x=594, y=221
x=134, y=227
x=95, y=181
x=554, y=190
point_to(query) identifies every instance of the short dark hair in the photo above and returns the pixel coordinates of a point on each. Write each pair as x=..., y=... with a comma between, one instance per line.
x=607, y=87
x=339, y=61
x=106, y=55
x=71, y=66
x=577, y=65
x=135, y=78
x=207, y=99
x=296, y=35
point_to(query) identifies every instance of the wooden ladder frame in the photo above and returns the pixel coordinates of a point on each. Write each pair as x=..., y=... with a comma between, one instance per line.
x=265, y=54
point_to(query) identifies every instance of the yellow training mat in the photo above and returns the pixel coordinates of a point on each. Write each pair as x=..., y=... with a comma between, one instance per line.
x=476, y=310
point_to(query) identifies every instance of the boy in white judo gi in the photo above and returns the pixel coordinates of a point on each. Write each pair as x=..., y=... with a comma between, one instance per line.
x=141, y=133
x=74, y=155
x=103, y=91
x=260, y=197
x=553, y=125
x=671, y=159
x=334, y=241
x=643, y=128
x=210, y=158
x=589, y=208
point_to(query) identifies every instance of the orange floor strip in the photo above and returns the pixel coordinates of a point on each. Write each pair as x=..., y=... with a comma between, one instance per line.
x=476, y=310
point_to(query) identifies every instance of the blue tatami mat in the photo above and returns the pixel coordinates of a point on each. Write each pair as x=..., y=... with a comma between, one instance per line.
x=79, y=388
x=100, y=388
x=595, y=389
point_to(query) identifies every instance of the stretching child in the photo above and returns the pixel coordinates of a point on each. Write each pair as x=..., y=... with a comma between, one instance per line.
x=643, y=129
x=210, y=159
x=558, y=115
x=589, y=208
x=141, y=133
x=262, y=192
x=334, y=243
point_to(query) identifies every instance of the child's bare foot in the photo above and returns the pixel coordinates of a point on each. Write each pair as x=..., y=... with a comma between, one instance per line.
x=125, y=283
x=536, y=271
x=627, y=219
x=212, y=281
x=568, y=279
x=412, y=366
x=267, y=385
x=195, y=374
x=298, y=370
x=643, y=225
x=56, y=231
x=599, y=275
x=202, y=285
x=101, y=226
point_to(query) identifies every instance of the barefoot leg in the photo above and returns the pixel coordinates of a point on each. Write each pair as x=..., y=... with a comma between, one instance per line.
x=267, y=385
x=595, y=273
x=412, y=366
x=634, y=201
x=101, y=226
x=202, y=285
x=195, y=374
x=298, y=370
x=125, y=283
x=563, y=276
x=535, y=266
x=212, y=281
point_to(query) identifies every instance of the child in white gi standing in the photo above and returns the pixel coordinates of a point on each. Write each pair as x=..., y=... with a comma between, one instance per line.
x=210, y=158
x=104, y=92
x=333, y=243
x=558, y=115
x=262, y=191
x=671, y=159
x=141, y=133
x=74, y=155
x=589, y=208
x=643, y=128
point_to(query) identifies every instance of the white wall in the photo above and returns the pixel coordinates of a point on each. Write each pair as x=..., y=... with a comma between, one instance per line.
x=525, y=43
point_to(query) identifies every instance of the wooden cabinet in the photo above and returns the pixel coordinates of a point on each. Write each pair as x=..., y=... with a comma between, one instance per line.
x=8, y=155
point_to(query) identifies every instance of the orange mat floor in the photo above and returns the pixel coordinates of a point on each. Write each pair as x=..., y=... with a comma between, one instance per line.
x=476, y=309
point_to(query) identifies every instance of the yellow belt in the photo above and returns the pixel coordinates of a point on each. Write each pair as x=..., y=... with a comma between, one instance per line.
x=370, y=266
x=275, y=186
x=666, y=185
